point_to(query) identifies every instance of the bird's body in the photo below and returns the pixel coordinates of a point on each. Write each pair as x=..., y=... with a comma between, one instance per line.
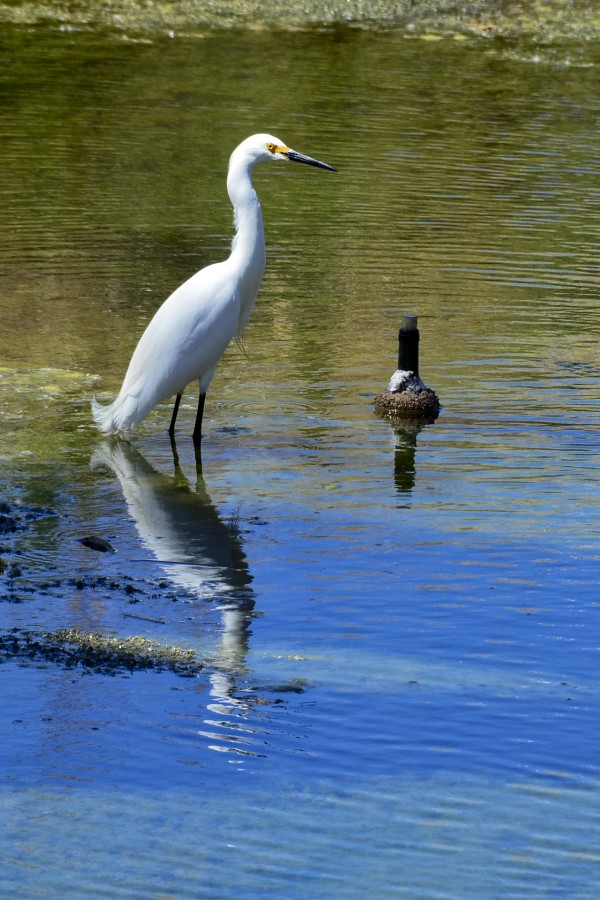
x=174, y=349
x=191, y=330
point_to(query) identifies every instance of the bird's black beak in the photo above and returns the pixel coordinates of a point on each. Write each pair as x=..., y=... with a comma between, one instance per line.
x=293, y=156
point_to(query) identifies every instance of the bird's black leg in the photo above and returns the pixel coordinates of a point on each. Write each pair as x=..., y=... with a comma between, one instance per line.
x=197, y=433
x=198, y=460
x=176, y=465
x=178, y=476
x=174, y=416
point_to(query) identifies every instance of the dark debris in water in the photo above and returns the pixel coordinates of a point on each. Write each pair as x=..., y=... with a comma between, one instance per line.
x=72, y=648
x=20, y=580
x=14, y=518
x=94, y=542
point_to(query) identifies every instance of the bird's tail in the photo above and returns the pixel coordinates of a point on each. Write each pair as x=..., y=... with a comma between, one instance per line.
x=104, y=416
x=131, y=406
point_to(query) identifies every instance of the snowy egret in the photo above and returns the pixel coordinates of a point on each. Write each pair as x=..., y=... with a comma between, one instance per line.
x=191, y=330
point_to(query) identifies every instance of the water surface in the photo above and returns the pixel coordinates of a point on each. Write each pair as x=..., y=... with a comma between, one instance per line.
x=397, y=624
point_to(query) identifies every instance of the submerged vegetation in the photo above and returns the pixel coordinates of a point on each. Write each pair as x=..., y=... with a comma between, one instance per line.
x=71, y=648
x=74, y=647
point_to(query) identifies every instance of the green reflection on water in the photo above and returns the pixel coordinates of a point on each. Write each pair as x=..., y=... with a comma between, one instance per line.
x=467, y=193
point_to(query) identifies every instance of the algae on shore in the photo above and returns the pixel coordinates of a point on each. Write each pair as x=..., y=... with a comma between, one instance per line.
x=547, y=20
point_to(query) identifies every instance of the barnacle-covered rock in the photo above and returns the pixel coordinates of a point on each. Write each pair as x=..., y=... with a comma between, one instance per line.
x=407, y=396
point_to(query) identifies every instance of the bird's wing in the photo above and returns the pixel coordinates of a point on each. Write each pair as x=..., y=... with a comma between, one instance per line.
x=187, y=336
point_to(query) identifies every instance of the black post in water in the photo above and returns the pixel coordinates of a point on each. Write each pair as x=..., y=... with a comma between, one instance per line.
x=406, y=396
x=408, y=344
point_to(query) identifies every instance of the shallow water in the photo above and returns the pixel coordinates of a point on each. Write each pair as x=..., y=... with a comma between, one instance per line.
x=398, y=626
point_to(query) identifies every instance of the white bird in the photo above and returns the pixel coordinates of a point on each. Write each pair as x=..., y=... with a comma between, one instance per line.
x=191, y=330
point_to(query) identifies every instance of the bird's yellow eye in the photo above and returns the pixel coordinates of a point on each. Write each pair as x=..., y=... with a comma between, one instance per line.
x=271, y=148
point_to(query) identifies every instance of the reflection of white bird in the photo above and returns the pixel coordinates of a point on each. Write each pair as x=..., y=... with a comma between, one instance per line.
x=196, y=549
x=204, y=556
x=182, y=529
x=190, y=332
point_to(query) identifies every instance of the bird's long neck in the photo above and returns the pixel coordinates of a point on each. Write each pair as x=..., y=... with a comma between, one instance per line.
x=248, y=247
x=248, y=253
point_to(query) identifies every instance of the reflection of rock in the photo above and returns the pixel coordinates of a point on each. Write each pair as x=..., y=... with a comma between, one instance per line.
x=407, y=397
x=183, y=530
x=409, y=406
x=406, y=432
x=404, y=457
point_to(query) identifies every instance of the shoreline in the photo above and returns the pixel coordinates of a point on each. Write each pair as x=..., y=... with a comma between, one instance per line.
x=542, y=20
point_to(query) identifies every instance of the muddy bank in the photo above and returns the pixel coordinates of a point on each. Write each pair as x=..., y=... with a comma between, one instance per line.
x=547, y=20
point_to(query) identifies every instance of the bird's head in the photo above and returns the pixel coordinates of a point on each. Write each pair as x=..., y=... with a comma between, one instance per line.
x=264, y=147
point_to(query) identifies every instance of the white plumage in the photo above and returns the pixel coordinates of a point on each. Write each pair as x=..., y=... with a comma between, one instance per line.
x=189, y=333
